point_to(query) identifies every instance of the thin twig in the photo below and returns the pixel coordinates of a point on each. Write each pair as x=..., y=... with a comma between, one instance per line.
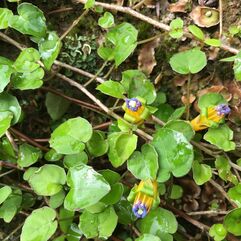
x=220, y=18
x=188, y=96
x=60, y=10
x=73, y=24
x=13, y=232
x=28, y=139
x=209, y=212
x=220, y=189
x=6, y=173
x=11, y=140
x=149, y=20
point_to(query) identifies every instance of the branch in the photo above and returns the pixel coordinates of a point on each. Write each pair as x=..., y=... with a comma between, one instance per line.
x=151, y=21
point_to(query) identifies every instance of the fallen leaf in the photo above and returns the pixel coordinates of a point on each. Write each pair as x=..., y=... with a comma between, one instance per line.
x=179, y=7
x=191, y=99
x=146, y=58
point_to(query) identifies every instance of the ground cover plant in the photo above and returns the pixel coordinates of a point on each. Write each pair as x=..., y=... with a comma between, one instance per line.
x=120, y=120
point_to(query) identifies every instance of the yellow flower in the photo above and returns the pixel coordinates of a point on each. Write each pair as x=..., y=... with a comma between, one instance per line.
x=213, y=117
x=146, y=196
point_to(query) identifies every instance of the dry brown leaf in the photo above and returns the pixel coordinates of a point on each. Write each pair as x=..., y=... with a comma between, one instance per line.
x=191, y=99
x=178, y=7
x=180, y=80
x=146, y=58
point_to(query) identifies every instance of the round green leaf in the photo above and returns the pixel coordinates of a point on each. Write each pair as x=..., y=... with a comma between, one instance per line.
x=137, y=84
x=144, y=165
x=106, y=21
x=121, y=146
x=40, y=225
x=158, y=221
x=213, y=42
x=124, y=211
x=30, y=20
x=175, y=153
x=148, y=237
x=235, y=194
x=221, y=137
x=87, y=187
x=210, y=99
x=69, y=137
x=218, y=232
x=57, y=200
x=97, y=145
x=10, y=103
x=176, y=192
x=5, y=121
x=5, y=15
x=75, y=159
x=196, y=31
x=112, y=88
x=201, y=173
x=66, y=218
x=4, y=193
x=181, y=126
x=47, y=180
x=52, y=156
x=49, y=49
x=190, y=61
x=237, y=66
x=6, y=70
x=114, y=195
x=176, y=28
x=99, y=225
x=28, y=155
x=232, y=222
x=56, y=105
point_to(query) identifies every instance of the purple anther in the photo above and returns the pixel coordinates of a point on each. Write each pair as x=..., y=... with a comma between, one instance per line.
x=133, y=104
x=139, y=210
x=223, y=109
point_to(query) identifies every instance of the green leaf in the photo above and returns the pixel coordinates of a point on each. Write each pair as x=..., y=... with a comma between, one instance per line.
x=70, y=136
x=106, y=21
x=196, y=31
x=56, y=105
x=89, y=4
x=10, y=103
x=176, y=192
x=224, y=170
x=201, y=173
x=112, y=88
x=27, y=61
x=144, y=165
x=87, y=187
x=4, y=193
x=181, y=126
x=137, y=84
x=27, y=81
x=6, y=71
x=97, y=145
x=177, y=113
x=11, y=206
x=159, y=221
x=121, y=146
x=75, y=159
x=148, y=237
x=124, y=211
x=5, y=15
x=5, y=121
x=210, y=99
x=57, y=199
x=176, y=28
x=99, y=225
x=218, y=232
x=232, y=222
x=66, y=218
x=176, y=157
x=49, y=49
x=221, y=137
x=164, y=112
x=47, y=180
x=235, y=194
x=190, y=61
x=106, y=53
x=114, y=195
x=123, y=37
x=40, y=225
x=30, y=20
x=237, y=66
x=213, y=42
x=28, y=155
x=52, y=156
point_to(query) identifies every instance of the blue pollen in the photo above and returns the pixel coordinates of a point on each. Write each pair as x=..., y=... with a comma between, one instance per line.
x=133, y=104
x=139, y=210
x=223, y=109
